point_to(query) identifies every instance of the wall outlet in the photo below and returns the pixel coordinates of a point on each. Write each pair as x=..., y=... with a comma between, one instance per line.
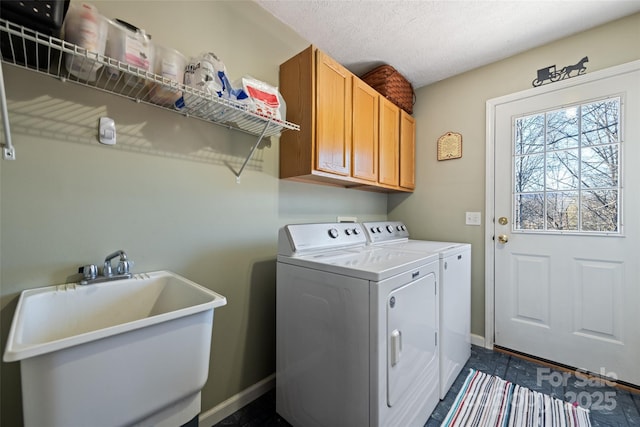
x=473, y=218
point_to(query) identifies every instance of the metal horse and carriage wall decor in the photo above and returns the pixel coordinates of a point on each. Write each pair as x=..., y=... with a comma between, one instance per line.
x=553, y=75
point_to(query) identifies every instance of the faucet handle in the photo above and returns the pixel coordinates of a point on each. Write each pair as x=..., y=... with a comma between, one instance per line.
x=89, y=271
x=124, y=267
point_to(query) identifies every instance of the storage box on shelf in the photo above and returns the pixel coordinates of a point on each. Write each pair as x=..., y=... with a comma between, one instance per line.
x=46, y=17
x=351, y=136
x=203, y=106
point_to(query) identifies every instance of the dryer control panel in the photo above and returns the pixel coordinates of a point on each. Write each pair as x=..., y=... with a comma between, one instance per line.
x=385, y=231
x=305, y=238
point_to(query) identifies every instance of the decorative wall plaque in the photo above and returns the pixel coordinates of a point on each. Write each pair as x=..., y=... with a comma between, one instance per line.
x=450, y=146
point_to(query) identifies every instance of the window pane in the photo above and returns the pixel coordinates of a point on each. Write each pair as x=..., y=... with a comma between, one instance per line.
x=600, y=166
x=562, y=211
x=529, y=173
x=600, y=122
x=562, y=170
x=529, y=212
x=562, y=129
x=566, y=167
x=600, y=210
x=529, y=134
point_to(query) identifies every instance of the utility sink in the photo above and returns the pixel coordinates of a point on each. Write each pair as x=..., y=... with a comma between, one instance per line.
x=127, y=352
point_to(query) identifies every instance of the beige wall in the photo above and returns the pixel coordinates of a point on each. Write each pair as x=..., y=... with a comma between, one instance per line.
x=163, y=194
x=446, y=190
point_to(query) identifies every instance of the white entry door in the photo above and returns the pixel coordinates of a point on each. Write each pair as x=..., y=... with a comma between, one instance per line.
x=567, y=222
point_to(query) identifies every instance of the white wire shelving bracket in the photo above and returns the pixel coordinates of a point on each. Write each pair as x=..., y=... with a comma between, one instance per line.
x=8, y=152
x=23, y=48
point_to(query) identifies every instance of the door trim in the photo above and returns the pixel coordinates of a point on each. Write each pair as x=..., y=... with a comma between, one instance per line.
x=491, y=105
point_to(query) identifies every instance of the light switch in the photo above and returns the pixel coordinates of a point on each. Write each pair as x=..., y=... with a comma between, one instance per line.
x=473, y=218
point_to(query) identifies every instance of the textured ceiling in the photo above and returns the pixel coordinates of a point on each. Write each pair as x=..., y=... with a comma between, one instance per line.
x=430, y=40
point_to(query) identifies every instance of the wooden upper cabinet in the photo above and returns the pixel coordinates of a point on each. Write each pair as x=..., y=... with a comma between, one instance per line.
x=407, y=151
x=389, y=151
x=297, y=86
x=333, y=116
x=349, y=134
x=365, y=131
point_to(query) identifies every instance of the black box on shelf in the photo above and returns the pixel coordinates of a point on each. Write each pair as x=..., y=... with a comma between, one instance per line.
x=43, y=16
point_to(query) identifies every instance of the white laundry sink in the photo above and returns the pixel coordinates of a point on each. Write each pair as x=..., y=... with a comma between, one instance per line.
x=127, y=352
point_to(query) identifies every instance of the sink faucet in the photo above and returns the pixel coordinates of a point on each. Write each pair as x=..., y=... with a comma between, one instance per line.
x=123, y=265
x=90, y=272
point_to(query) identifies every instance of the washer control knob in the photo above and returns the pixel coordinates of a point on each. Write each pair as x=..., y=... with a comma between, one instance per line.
x=379, y=229
x=390, y=228
x=333, y=232
x=399, y=228
x=373, y=230
x=356, y=231
x=347, y=231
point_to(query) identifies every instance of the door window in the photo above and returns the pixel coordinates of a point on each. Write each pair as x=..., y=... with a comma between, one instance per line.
x=566, y=169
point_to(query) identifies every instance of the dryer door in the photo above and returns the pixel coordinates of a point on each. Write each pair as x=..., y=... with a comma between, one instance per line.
x=411, y=335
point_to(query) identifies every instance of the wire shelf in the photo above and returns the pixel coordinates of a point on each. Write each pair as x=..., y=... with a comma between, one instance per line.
x=29, y=49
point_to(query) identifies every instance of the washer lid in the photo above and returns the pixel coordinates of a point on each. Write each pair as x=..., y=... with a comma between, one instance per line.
x=371, y=263
x=444, y=249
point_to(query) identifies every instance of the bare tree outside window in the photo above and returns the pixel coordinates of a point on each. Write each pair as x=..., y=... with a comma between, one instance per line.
x=566, y=167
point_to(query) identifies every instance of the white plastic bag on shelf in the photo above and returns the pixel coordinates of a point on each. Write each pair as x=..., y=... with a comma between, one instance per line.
x=264, y=98
x=206, y=73
x=260, y=98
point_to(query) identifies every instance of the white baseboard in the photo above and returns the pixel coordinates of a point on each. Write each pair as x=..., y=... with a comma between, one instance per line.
x=234, y=403
x=477, y=340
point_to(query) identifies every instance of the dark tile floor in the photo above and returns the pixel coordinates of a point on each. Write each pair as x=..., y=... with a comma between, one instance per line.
x=609, y=406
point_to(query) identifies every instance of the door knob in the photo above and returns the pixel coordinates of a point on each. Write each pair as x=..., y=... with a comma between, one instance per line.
x=503, y=238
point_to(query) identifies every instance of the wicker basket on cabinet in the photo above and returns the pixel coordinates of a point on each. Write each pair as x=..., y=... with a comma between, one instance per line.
x=392, y=85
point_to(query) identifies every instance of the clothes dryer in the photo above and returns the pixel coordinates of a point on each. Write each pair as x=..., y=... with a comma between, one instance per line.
x=356, y=341
x=454, y=292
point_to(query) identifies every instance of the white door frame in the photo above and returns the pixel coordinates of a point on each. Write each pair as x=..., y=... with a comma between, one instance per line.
x=491, y=105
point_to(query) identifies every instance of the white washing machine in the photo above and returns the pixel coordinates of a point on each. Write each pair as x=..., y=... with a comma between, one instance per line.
x=356, y=330
x=455, y=292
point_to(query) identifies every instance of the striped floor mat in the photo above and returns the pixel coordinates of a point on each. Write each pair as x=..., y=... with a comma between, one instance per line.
x=489, y=401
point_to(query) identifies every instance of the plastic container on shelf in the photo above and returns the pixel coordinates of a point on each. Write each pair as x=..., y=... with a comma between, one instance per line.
x=170, y=64
x=86, y=28
x=131, y=46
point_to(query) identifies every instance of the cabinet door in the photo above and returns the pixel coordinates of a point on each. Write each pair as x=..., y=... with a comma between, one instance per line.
x=365, y=131
x=389, y=150
x=407, y=151
x=333, y=117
